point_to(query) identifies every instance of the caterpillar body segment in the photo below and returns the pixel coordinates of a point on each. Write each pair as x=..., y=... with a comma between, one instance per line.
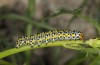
x=47, y=37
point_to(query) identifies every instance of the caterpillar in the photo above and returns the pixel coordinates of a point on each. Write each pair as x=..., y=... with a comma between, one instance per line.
x=46, y=37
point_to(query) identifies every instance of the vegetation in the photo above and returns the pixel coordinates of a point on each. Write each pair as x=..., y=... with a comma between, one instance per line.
x=91, y=46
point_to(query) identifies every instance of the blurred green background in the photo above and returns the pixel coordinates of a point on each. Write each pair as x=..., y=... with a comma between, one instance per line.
x=27, y=17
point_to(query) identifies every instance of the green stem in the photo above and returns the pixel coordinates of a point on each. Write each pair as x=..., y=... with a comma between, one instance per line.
x=76, y=45
x=25, y=48
x=95, y=60
x=26, y=20
x=28, y=53
x=2, y=62
x=30, y=11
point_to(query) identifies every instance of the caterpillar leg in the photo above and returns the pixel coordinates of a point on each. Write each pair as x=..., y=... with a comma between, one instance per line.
x=32, y=45
x=39, y=44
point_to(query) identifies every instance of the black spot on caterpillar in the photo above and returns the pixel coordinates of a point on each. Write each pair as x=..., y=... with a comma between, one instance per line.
x=47, y=37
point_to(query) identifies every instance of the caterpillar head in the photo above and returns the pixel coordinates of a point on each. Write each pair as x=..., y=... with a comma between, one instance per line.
x=77, y=35
x=81, y=36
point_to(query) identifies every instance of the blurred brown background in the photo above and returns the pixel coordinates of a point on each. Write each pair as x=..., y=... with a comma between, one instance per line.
x=10, y=29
